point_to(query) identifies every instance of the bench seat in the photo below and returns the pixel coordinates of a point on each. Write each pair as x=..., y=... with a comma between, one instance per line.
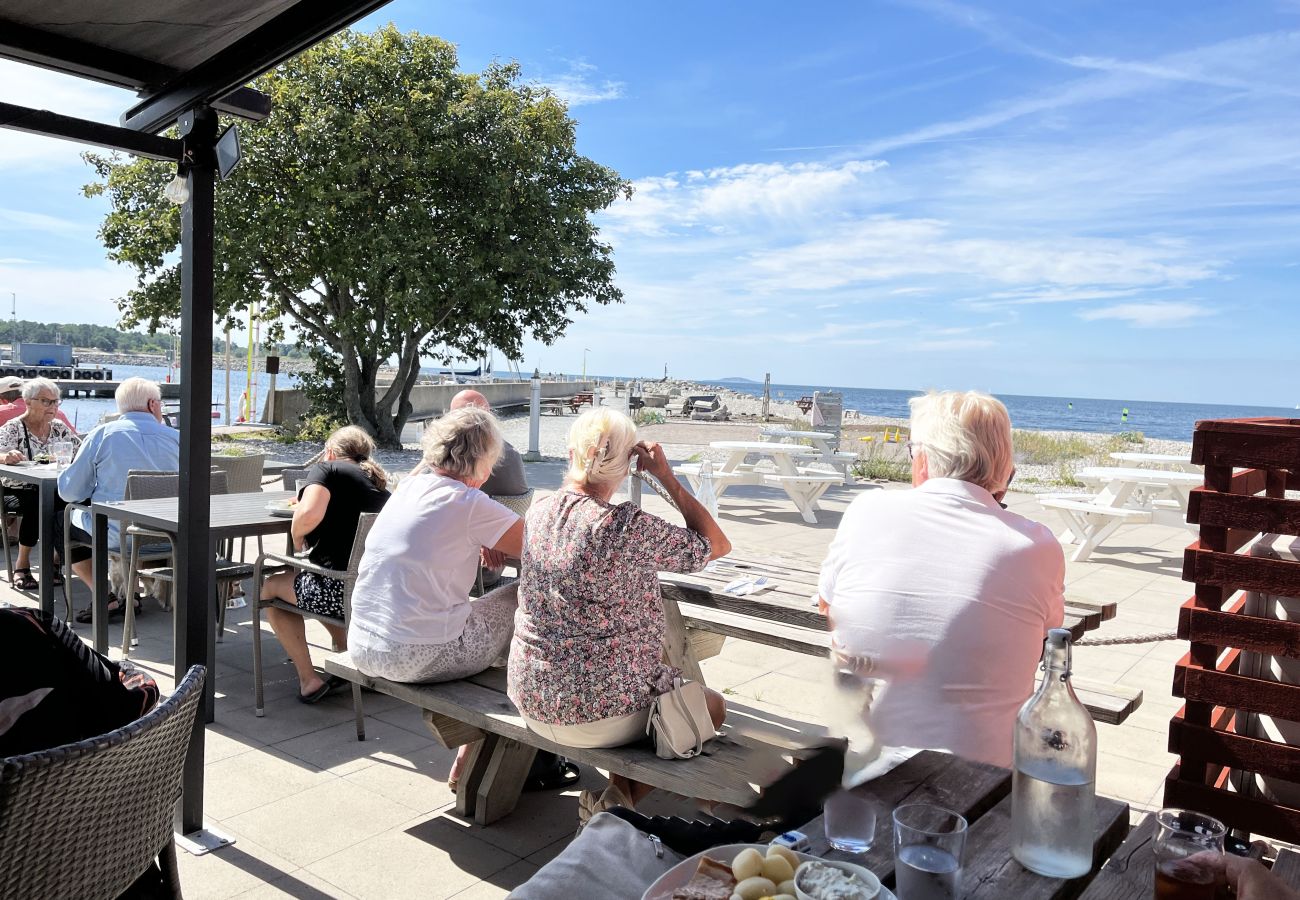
x=1087, y=506
x=755, y=748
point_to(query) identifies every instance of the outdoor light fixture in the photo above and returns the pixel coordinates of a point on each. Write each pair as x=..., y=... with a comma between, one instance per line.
x=229, y=152
x=178, y=189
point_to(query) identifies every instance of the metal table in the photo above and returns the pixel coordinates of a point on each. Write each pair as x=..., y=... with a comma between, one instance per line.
x=231, y=516
x=46, y=478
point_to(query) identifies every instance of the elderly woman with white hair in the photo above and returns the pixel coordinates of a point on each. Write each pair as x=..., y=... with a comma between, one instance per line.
x=31, y=437
x=586, y=659
x=941, y=591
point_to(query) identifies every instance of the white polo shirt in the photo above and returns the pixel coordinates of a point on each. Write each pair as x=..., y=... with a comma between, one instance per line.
x=942, y=576
x=421, y=560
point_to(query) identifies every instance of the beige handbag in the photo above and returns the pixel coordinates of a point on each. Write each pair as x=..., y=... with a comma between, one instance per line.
x=680, y=722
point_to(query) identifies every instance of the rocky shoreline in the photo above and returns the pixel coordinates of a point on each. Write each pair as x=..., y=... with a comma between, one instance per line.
x=288, y=365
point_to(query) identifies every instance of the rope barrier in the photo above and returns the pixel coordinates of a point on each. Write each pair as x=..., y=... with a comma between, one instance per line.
x=1128, y=639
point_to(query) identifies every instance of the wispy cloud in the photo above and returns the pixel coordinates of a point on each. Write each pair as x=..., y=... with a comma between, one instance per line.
x=580, y=86
x=18, y=219
x=1157, y=314
x=42, y=89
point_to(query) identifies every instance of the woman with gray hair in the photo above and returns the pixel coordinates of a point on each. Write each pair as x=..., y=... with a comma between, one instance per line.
x=31, y=437
x=412, y=616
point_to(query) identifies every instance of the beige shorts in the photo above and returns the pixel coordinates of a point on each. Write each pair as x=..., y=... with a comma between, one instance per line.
x=612, y=732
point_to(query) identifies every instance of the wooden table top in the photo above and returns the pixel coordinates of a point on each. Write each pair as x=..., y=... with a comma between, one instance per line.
x=232, y=515
x=982, y=794
x=790, y=602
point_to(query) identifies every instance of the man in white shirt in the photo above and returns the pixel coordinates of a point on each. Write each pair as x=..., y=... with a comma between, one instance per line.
x=941, y=591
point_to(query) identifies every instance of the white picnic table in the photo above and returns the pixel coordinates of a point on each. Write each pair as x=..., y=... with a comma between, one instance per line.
x=1157, y=459
x=839, y=460
x=778, y=466
x=1125, y=496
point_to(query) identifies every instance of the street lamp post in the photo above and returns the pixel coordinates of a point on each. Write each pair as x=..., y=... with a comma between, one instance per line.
x=534, y=453
x=585, y=351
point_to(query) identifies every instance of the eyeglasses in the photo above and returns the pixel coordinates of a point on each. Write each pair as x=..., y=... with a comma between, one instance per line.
x=46, y=401
x=912, y=447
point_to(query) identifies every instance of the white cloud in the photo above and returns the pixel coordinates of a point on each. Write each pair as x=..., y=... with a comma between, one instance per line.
x=22, y=220
x=72, y=294
x=580, y=86
x=1157, y=314
x=43, y=89
x=953, y=344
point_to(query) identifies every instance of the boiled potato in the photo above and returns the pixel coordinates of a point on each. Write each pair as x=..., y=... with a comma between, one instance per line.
x=755, y=887
x=786, y=887
x=747, y=864
x=777, y=869
x=785, y=853
x=784, y=896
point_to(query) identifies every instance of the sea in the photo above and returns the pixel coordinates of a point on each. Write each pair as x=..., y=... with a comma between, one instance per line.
x=1166, y=421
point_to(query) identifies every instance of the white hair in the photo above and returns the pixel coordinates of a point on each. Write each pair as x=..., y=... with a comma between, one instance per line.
x=134, y=394
x=33, y=387
x=964, y=435
x=464, y=443
x=600, y=445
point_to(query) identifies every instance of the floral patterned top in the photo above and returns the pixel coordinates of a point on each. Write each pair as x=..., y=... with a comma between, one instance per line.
x=590, y=625
x=14, y=435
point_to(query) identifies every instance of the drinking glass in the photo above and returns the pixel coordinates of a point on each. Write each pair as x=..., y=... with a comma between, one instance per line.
x=1188, y=848
x=62, y=452
x=929, y=843
x=850, y=820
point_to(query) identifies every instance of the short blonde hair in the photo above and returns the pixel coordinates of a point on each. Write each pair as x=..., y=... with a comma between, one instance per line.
x=600, y=445
x=965, y=435
x=464, y=443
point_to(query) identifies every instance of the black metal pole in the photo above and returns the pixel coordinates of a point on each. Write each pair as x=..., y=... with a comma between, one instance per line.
x=195, y=582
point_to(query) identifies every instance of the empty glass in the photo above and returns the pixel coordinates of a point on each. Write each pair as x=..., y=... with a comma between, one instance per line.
x=929, y=843
x=850, y=821
x=1187, y=849
x=62, y=451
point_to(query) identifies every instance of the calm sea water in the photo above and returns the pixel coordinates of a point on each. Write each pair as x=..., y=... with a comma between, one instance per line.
x=1170, y=421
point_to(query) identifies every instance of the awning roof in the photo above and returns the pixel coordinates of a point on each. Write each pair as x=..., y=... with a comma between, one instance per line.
x=174, y=54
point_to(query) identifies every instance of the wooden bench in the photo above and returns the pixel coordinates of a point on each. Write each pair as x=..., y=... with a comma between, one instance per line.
x=804, y=403
x=581, y=398
x=754, y=749
x=1088, y=522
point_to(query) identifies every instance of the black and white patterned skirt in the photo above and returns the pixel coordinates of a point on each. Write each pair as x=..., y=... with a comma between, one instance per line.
x=318, y=594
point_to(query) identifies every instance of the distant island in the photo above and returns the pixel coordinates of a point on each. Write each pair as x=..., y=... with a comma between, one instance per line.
x=736, y=379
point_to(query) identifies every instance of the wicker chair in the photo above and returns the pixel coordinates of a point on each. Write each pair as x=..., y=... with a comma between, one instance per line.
x=349, y=578
x=292, y=477
x=152, y=486
x=87, y=819
x=243, y=473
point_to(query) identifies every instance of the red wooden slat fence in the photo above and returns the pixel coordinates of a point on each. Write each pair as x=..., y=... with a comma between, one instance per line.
x=1249, y=465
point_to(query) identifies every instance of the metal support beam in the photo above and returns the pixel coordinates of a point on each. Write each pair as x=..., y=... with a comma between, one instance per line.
x=195, y=582
x=300, y=26
x=69, y=128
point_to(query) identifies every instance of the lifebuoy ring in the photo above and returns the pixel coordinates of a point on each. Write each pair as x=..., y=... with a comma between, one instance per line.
x=98, y=376
x=65, y=374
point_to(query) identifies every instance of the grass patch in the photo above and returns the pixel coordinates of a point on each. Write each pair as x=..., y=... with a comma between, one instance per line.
x=880, y=464
x=649, y=417
x=1039, y=448
x=313, y=429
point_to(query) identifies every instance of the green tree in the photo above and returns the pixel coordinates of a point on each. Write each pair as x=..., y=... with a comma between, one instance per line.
x=390, y=207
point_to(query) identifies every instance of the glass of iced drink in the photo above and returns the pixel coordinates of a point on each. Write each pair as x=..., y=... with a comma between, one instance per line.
x=1187, y=850
x=929, y=842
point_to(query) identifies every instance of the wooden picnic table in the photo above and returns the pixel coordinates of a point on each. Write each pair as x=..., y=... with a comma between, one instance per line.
x=982, y=795
x=802, y=485
x=1181, y=461
x=45, y=476
x=786, y=616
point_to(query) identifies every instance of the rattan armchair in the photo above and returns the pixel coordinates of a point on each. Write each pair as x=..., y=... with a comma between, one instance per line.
x=87, y=819
x=349, y=578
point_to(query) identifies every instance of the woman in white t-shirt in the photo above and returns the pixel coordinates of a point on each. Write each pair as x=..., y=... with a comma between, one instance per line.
x=412, y=616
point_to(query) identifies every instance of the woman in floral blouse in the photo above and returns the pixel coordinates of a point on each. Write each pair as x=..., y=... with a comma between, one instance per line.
x=586, y=658
x=30, y=438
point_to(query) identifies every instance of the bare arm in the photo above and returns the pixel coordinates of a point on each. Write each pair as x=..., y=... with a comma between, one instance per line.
x=309, y=513
x=511, y=543
x=652, y=459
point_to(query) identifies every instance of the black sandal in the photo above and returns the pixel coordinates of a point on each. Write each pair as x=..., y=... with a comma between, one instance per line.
x=557, y=776
x=114, y=611
x=23, y=580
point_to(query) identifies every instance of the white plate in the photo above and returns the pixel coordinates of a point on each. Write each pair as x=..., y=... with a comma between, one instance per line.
x=681, y=873
x=280, y=508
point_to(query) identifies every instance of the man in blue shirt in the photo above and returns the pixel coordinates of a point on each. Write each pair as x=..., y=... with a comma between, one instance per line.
x=137, y=440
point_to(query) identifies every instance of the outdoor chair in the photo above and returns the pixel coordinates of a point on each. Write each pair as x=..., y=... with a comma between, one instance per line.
x=243, y=476
x=227, y=571
x=349, y=578
x=87, y=819
x=155, y=552
x=292, y=477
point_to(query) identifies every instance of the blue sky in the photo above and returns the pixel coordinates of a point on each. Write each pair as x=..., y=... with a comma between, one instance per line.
x=1092, y=200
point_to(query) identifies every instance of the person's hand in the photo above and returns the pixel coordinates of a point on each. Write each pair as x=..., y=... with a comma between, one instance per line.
x=651, y=458
x=12, y=457
x=492, y=559
x=1251, y=881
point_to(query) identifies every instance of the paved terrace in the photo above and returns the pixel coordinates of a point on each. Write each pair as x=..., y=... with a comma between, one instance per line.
x=317, y=814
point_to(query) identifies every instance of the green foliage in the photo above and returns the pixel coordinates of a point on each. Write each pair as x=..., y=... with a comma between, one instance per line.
x=648, y=417
x=883, y=462
x=313, y=429
x=1065, y=476
x=391, y=207
x=1132, y=437
x=1037, y=447
x=90, y=337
